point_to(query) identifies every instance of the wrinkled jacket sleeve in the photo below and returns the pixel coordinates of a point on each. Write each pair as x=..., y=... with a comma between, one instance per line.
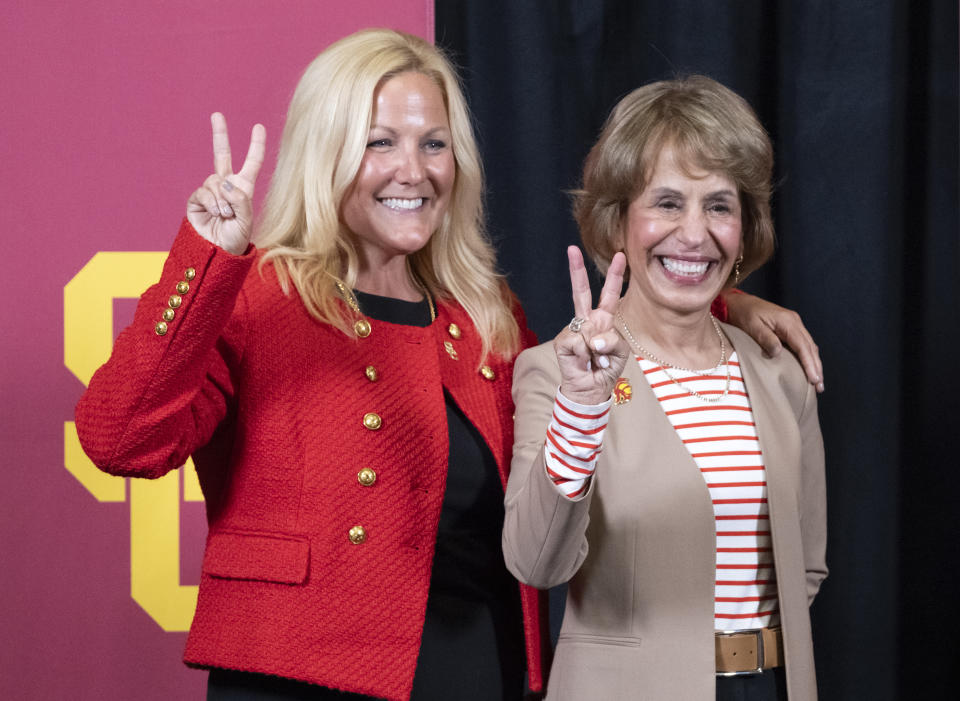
x=813, y=498
x=159, y=397
x=544, y=532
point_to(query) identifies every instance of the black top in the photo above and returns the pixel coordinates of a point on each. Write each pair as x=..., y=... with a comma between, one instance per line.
x=472, y=647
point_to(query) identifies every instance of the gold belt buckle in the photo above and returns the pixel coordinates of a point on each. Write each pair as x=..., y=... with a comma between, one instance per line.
x=758, y=632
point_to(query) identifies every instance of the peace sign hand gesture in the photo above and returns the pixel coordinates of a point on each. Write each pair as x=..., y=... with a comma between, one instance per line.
x=590, y=352
x=221, y=210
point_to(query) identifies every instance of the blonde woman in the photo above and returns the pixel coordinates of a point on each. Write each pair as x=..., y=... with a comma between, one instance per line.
x=662, y=466
x=344, y=389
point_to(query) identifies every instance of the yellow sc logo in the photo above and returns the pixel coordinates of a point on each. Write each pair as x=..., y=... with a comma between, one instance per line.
x=154, y=504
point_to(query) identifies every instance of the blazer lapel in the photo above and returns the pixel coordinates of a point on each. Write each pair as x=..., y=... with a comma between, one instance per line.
x=772, y=415
x=641, y=424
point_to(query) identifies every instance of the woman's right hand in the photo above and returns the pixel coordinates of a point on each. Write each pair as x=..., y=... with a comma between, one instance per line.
x=221, y=210
x=770, y=324
x=591, y=357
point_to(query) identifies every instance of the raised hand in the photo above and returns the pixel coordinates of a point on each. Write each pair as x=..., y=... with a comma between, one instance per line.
x=221, y=210
x=590, y=351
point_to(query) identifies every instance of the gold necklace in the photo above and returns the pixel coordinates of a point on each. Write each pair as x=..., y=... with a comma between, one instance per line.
x=351, y=299
x=663, y=365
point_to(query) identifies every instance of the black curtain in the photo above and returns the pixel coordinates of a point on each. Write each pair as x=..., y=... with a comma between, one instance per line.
x=860, y=99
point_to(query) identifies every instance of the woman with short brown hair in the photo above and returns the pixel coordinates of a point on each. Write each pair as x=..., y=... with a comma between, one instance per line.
x=681, y=496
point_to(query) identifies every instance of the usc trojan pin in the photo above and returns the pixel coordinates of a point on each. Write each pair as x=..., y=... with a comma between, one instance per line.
x=622, y=391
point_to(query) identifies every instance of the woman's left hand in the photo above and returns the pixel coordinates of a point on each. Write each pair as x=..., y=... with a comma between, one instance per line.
x=590, y=351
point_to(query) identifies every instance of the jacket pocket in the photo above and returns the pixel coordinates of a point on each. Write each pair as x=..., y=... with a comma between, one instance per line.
x=590, y=639
x=264, y=557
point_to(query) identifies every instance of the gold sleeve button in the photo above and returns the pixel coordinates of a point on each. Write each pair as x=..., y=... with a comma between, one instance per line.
x=189, y=274
x=454, y=330
x=488, y=372
x=161, y=328
x=362, y=328
x=175, y=301
x=357, y=535
x=372, y=421
x=371, y=373
x=367, y=477
x=168, y=314
x=183, y=287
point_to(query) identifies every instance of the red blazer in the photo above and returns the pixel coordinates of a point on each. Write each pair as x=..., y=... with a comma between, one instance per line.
x=272, y=405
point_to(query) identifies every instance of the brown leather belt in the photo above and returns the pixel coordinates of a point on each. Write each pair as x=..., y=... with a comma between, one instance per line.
x=749, y=652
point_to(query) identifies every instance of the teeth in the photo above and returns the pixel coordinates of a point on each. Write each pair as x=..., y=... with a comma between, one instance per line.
x=398, y=203
x=683, y=267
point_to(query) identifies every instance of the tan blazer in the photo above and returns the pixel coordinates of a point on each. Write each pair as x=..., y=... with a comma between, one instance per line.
x=638, y=548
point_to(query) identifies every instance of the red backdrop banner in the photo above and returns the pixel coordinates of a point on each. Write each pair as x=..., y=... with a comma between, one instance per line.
x=105, y=117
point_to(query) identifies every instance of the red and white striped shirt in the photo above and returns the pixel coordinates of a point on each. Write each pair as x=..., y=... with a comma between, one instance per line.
x=722, y=439
x=574, y=439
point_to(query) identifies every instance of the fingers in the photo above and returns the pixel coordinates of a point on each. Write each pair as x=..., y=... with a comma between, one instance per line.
x=769, y=324
x=613, y=284
x=593, y=342
x=229, y=190
x=602, y=346
x=813, y=367
x=766, y=338
x=218, y=188
x=591, y=345
x=222, y=158
x=579, y=283
x=589, y=368
x=795, y=334
x=255, y=154
x=222, y=164
x=204, y=200
x=601, y=318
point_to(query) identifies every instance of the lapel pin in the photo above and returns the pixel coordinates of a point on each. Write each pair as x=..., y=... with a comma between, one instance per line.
x=622, y=391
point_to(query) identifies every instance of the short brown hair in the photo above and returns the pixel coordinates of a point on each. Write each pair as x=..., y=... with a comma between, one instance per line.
x=710, y=127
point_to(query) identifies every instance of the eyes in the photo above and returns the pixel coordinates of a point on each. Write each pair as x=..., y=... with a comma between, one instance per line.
x=674, y=205
x=720, y=208
x=669, y=205
x=387, y=143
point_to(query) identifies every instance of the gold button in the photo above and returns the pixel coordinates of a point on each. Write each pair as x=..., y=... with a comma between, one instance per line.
x=371, y=373
x=372, y=421
x=168, y=314
x=362, y=327
x=189, y=274
x=183, y=287
x=175, y=301
x=454, y=330
x=367, y=477
x=488, y=372
x=357, y=534
x=161, y=328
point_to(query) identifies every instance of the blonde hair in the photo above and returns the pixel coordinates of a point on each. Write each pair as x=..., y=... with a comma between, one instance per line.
x=709, y=127
x=323, y=143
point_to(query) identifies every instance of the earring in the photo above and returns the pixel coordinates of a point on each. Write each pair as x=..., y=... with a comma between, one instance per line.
x=736, y=270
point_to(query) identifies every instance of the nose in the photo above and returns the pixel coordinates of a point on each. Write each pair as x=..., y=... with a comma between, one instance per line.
x=410, y=168
x=694, y=228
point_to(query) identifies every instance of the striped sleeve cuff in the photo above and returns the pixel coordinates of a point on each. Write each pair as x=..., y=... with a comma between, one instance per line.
x=574, y=439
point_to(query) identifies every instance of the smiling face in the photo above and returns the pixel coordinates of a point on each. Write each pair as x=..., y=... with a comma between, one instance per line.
x=402, y=189
x=681, y=236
